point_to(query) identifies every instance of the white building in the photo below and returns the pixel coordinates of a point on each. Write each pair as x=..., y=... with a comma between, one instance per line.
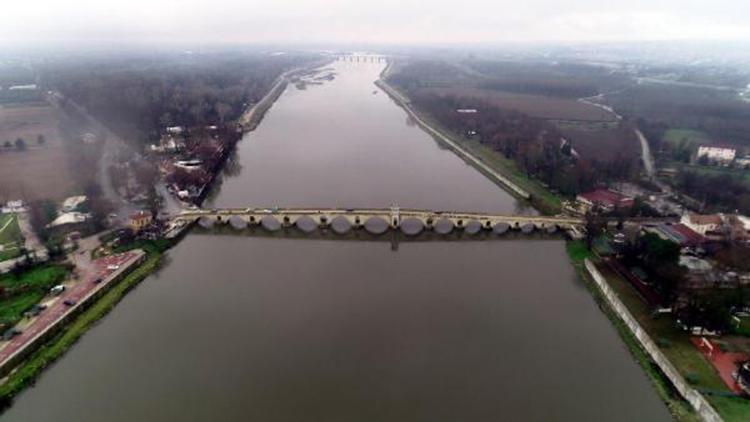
x=13, y=207
x=723, y=154
x=69, y=218
x=70, y=204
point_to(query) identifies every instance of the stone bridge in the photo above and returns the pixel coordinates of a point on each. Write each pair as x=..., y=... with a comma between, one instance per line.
x=375, y=220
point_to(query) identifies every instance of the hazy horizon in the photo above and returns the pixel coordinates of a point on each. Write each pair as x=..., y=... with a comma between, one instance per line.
x=405, y=22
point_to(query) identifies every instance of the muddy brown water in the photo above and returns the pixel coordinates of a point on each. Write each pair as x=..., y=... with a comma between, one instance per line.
x=287, y=329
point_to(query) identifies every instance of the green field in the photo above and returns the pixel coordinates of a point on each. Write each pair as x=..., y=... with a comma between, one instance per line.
x=20, y=292
x=10, y=237
x=691, y=137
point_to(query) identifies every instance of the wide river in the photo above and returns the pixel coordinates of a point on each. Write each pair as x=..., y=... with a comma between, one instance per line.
x=238, y=328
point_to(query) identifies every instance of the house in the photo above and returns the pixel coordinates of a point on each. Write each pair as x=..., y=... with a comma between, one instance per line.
x=140, y=220
x=72, y=203
x=69, y=221
x=743, y=162
x=678, y=233
x=13, y=207
x=702, y=224
x=606, y=199
x=718, y=153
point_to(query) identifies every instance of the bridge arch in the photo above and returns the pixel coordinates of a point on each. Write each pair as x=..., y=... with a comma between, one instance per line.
x=306, y=224
x=501, y=228
x=341, y=224
x=376, y=225
x=443, y=226
x=473, y=227
x=411, y=226
x=206, y=222
x=270, y=223
x=237, y=222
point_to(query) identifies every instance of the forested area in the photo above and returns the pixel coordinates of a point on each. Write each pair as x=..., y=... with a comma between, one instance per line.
x=138, y=96
x=718, y=192
x=716, y=112
x=535, y=145
x=564, y=80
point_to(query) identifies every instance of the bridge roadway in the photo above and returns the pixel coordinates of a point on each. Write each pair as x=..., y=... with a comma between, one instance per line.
x=375, y=219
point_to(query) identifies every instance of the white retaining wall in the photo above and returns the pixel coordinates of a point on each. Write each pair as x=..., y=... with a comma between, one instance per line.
x=702, y=407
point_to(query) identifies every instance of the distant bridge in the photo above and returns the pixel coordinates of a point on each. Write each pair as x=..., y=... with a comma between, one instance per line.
x=375, y=220
x=373, y=58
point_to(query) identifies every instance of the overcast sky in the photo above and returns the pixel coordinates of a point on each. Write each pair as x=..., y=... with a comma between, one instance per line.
x=381, y=21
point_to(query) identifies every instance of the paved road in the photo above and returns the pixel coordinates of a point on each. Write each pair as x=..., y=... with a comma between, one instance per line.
x=648, y=159
x=112, y=143
x=104, y=268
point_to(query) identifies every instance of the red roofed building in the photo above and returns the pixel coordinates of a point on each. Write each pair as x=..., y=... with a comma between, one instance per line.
x=678, y=233
x=606, y=199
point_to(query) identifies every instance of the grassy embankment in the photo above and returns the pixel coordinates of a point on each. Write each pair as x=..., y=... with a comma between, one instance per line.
x=673, y=342
x=11, y=238
x=542, y=198
x=690, y=137
x=28, y=288
x=680, y=409
x=27, y=372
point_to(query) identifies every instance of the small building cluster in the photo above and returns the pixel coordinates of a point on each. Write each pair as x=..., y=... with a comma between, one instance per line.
x=606, y=200
x=188, y=158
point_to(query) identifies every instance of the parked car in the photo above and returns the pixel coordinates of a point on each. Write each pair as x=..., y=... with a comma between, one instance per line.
x=35, y=310
x=10, y=333
x=69, y=302
x=57, y=290
x=97, y=280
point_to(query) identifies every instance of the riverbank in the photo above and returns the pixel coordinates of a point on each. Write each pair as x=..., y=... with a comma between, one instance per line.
x=67, y=335
x=490, y=163
x=678, y=407
x=73, y=326
x=696, y=378
x=546, y=201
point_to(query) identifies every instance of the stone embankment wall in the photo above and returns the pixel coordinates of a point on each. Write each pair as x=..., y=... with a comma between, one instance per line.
x=699, y=403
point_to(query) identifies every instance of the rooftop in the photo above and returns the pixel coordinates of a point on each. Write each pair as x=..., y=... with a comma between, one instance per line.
x=718, y=146
x=605, y=196
x=705, y=219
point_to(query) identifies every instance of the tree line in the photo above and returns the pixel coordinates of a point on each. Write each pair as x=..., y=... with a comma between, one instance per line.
x=536, y=146
x=139, y=98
